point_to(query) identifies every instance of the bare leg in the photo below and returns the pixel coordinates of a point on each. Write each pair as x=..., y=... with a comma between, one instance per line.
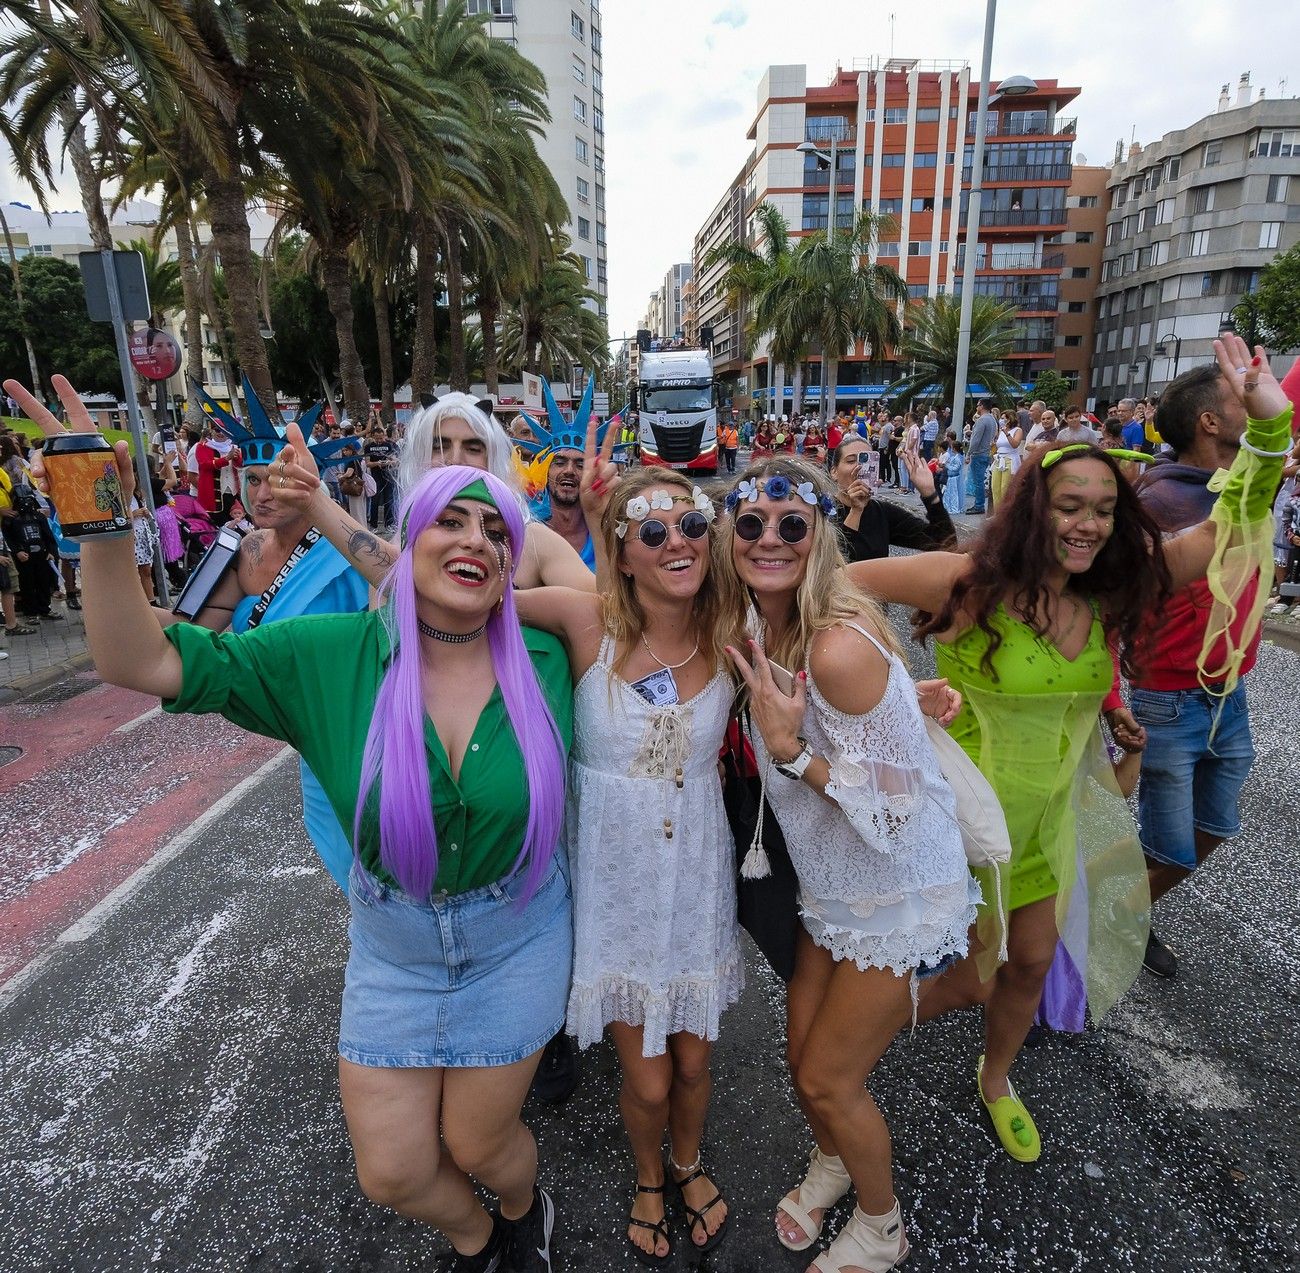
x=645, y=1105
x=688, y=1106
x=7, y=605
x=1163, y=877
x=1031, y=946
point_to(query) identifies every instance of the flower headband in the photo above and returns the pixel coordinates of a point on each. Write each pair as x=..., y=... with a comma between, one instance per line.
x=778, y=486
x=638, y=508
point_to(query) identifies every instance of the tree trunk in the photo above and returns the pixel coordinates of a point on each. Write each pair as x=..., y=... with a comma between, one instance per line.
x=426, y=311
x=193, y=320
x=778, y=388
x=384, y=336
x=327, y=390
x=32, y=368
x=796, y=392
x=338, y=289
x=228, y=217
x=488, y=308
x=218, y=321
x=457, y=372
x=831, y=372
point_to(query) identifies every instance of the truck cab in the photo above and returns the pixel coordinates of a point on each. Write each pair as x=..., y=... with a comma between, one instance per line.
x=676, y=396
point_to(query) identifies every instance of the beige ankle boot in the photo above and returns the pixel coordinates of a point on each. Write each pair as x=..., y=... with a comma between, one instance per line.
x=874, y=1243
x=824, y=1185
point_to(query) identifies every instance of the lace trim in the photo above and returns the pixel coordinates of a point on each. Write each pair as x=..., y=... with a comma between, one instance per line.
x=901, y=951
x=690, y=1004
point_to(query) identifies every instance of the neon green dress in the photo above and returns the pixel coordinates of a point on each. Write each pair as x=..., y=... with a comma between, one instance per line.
x=1032, y=729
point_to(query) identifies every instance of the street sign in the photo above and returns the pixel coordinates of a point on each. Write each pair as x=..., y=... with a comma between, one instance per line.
x=154, y=354
x=532, y=392
x=131, y=288
x=600, y=404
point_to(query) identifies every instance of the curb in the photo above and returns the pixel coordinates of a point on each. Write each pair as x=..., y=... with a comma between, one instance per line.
x=43, y=679
x=1285, y=635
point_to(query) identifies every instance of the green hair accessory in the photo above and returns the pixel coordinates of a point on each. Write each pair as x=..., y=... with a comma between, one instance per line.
x=477, y=489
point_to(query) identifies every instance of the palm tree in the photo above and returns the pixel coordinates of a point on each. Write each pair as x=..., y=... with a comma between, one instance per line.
x=553, y=324
x=839, y=296
x=930, y=347
x=754, y=281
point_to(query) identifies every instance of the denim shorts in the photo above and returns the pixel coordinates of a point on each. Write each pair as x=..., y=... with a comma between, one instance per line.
x=468, y=980
x=1189, y=783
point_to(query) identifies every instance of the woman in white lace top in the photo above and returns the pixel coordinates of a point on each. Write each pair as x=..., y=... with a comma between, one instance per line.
x=656, y=944
x=884, y=893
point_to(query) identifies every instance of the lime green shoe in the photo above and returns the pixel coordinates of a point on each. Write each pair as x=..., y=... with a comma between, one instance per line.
x=1011, y=1121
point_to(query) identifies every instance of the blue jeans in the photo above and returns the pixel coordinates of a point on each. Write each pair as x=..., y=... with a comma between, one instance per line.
x=1190, y=783
x=979, y=470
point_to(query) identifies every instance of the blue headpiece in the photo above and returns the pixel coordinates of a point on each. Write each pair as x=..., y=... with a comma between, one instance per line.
x=265, y=442
x=562, y=436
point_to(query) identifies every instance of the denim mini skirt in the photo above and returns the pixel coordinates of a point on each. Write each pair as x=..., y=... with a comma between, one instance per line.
x=469, y=980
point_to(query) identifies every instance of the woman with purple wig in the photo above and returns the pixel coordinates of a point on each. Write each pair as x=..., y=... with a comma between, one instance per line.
x=439, y=727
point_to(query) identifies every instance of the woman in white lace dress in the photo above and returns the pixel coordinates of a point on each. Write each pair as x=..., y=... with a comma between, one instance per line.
x=871, y=827
x=656, y=951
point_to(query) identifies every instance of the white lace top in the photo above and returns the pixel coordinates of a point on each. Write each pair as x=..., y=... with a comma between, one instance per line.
x=882, y=873
x=656, y=942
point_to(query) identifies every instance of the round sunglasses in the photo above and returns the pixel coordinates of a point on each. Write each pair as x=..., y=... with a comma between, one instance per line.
x=654, y=534
x=792, y=528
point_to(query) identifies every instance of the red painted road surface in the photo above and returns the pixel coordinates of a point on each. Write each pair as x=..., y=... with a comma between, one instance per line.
x=95, y=794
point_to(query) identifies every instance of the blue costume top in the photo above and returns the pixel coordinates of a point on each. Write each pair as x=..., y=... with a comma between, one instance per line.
x=322, y=582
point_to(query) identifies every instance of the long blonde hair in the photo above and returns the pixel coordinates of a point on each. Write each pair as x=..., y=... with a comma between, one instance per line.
x=825, y=597
x=621, y=612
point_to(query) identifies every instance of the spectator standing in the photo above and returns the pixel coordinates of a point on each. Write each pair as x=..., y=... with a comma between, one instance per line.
x=1132, y=428
x=729, y=439
x=1006, y=459
x=381, y=460
x=33, y=548
x=929, y=433
x=1074, y=429
x=983, y=432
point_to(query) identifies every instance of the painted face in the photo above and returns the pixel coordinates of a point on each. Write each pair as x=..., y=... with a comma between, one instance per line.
x=676, y=566
x=461, y=563
x=846, y=467
x=770, y=563
x=564, y=477
x=455, y=442
x=1083, y=494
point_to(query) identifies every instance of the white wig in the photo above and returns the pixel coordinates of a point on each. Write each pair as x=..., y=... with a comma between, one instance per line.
x=425, y=430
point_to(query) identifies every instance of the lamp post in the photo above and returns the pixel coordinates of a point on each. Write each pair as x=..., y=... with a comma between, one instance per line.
x=1162, y=347
x=1015, y=86
x=832, y=222
x=1134, y=369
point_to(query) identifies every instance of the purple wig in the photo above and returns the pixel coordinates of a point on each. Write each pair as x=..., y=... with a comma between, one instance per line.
x=395, y=754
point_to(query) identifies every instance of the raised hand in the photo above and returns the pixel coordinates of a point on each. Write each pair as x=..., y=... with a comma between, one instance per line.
x=600, y=474
x=294, y=478
x=1250, y=377
x=778, y=715
x=919, y=473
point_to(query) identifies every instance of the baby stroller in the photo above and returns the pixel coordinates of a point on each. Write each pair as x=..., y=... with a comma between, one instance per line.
x=197, y=528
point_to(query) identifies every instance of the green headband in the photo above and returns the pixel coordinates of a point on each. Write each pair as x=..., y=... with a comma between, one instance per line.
x=1076, y=448
x=477, y=489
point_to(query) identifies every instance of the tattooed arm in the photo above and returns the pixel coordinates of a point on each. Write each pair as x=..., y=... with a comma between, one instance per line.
x=373, y=557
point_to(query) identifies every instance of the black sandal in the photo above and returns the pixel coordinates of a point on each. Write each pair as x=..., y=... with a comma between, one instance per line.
x=694, y=1217
x=659, y=1228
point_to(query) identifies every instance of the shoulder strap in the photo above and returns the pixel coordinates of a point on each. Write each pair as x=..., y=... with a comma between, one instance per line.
x=605, y=655
x=848, y=623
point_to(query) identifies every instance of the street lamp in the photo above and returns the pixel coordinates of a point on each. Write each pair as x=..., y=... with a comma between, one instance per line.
x=1134, y=368
x=1014, y=86
x=1162, y=348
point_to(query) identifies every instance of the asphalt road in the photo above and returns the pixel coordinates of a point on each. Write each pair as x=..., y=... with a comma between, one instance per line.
x=168, y=1090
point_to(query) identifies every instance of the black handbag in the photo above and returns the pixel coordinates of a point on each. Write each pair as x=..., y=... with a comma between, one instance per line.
x=768, y=908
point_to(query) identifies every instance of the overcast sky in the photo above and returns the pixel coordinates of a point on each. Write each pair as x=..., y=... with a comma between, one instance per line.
x=681, y=78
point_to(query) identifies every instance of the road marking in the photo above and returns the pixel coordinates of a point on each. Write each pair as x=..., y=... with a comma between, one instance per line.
x=90, y=923
x=129, y=726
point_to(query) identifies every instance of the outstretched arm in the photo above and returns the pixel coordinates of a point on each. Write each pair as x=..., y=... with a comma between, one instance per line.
x=923, y=581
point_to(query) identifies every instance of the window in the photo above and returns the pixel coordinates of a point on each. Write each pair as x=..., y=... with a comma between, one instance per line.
x=584, y=228
x=1161, y=254
x=895, y=114
x=927, y=115
x=1201, y=200
x=579, y=70
x=42, y=249
x=892, y=161
x=595, y=40
x=1198, y=243
x=1088, y=201
x=600, y=196
x=1276, y=189
x=924, y=159
x=598, y=81
x=580, y=110
x=1213, y=153
x=584, y=190
x=1173, y=168
x=1209, y=283
x=1083, y=236
x=1072, y=342
x=1076, y=307
x=1276, y=144
x=1112, y=232
x=917, y=291
x=1146, y=217
x=889, y=249
x=919, y=247
x=580, y=150
x=1080, y=271
x=1270, y=232
x=587, y=267
x=1169, y=289
x=497, y=8
x=1164, y=211
x=577, y=26
x=600, y=232
x=1148, y=298
x=598, y=120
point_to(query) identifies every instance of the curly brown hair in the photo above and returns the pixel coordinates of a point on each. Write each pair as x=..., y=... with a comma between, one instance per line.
x=1013, y=558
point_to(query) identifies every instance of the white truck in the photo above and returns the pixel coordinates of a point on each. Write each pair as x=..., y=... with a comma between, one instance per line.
x=677, y=398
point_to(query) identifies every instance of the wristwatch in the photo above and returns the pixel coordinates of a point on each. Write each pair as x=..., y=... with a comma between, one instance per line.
x=794, y=768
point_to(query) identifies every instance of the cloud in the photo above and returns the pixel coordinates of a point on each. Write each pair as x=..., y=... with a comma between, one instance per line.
x=732, y=16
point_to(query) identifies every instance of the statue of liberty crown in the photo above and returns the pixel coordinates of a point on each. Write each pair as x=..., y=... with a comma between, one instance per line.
x=562, y=436
x=266, y=441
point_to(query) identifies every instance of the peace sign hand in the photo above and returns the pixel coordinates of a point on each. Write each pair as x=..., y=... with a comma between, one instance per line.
x=1250, y=378
x=600, y=474
x=78, y=417
x=778, y=715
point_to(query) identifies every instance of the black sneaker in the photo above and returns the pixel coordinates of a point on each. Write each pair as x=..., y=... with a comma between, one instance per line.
x=557, y=1072
x=1159, y=960
x=488, y=1260
x=527, y=1247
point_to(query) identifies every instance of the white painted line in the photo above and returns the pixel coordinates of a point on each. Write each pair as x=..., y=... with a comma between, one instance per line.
x=142, y=719
x=93, y=920
x=16, y=984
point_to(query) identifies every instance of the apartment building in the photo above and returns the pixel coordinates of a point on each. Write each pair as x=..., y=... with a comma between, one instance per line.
x=725, y=223
x=1193, y=218
x=563, y=38
x=1080, y=256
x=900, y=134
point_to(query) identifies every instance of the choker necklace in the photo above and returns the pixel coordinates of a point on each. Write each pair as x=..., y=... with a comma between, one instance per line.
x=452, y=638
x=671, y=667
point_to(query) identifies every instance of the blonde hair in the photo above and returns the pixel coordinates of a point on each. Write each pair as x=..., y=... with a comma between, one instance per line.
x=825, y=597
x=621, y=611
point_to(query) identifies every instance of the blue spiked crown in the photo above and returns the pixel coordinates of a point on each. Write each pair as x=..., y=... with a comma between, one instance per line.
x=561, y=435
x=265, y=441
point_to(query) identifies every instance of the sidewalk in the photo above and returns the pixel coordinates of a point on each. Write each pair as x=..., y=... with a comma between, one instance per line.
x=57, y=645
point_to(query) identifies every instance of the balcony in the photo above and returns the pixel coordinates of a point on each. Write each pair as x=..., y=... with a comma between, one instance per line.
x=1020, y=216
x=1023, y=172
x=1034, y=345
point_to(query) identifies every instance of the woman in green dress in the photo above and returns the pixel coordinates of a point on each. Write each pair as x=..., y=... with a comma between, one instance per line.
x=1070, y=562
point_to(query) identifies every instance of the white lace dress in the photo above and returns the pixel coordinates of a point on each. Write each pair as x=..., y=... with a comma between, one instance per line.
x=882, y=873
x=653, y=862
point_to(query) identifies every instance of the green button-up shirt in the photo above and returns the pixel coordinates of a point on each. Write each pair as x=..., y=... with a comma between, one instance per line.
x=312, y=682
